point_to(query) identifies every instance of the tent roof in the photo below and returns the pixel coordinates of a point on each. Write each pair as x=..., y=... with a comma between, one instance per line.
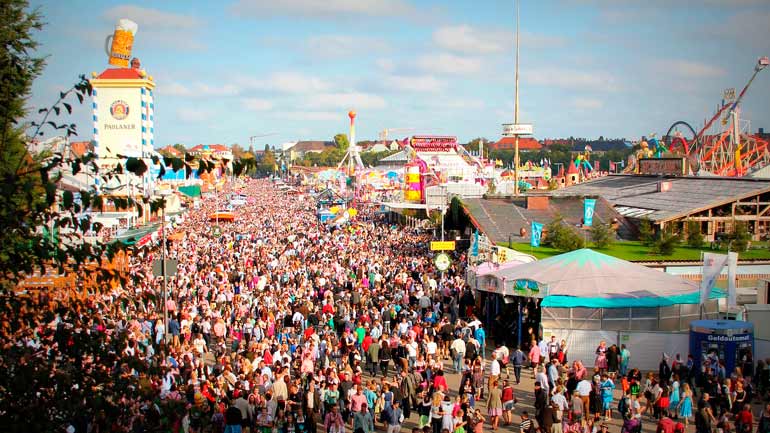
x=587, y=274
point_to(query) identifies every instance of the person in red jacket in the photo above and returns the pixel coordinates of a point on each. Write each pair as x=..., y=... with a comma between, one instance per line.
x=744, y=420
x=666, y=424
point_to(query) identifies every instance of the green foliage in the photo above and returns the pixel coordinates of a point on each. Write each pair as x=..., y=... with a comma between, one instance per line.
x=455, y=209
x=694, y=236
x=370, y=159
x=602, y=235
x=666, y=242
x=341, y=142
x=561, y=237
x=739, y=238
x=646, y=232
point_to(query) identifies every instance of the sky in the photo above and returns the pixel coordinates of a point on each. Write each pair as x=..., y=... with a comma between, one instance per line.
x=291, y=70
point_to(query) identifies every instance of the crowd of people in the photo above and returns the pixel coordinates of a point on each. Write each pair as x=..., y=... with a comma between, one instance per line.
x=280, y=324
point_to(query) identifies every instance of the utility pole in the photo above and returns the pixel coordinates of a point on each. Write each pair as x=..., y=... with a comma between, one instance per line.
x=164, y=194
x=516, y=112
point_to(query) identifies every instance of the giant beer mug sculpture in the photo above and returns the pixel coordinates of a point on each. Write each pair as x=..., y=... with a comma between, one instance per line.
x=119, y=44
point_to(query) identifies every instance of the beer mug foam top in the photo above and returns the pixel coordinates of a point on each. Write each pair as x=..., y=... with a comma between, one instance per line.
x=119, y=44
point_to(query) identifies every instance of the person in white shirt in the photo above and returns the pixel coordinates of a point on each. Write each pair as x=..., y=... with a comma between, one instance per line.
x=584, y=392
x=200, y=344
x=431, y=347
x=559, y=399
x=458, y=346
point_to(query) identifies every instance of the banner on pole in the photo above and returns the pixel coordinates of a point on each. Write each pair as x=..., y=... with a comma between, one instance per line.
x=475, y=244
x=712, y=267
x=537, y=232
x=589, y=205
x=732, y=270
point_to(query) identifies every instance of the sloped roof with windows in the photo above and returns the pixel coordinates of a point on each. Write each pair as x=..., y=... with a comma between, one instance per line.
x=638, y=196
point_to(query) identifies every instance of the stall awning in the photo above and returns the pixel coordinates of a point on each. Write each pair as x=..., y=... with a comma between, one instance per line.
x=193, y=191
x=586, y=278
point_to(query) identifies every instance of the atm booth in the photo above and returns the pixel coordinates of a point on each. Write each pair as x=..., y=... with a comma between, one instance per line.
x=729, y=340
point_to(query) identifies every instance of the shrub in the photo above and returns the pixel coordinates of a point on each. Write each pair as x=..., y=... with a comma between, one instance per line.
x=666, y=242
x=740, y=237
x=646, y=232
x=561, y=237
x=694, y=236
x=603, y=235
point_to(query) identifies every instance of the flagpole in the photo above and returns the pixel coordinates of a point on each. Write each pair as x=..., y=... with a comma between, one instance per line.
x=702, y=305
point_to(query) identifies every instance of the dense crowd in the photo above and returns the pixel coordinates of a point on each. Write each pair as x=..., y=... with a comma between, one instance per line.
x=280, y=324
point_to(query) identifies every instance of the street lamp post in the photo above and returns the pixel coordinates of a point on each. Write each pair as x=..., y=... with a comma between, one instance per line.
x=164, y=194
x=516, y=112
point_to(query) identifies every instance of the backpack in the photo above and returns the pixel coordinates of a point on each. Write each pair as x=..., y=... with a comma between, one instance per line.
x=623, y=408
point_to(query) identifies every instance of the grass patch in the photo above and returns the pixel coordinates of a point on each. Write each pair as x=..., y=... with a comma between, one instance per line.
x=636, y=252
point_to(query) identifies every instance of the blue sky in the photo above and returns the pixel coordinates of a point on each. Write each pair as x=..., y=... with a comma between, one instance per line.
x=227, y=70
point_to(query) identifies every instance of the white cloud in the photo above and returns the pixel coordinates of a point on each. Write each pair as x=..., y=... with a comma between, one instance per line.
x=197, y=90
x=481, y=41
x=327, y=9
x=470, y=40
x=587, y=103
x=463, y=104
x=257, y=104
x=310, y=115
x=690, y=69
x=285, y=82
x=571, y=79
x=450, y=64
x=338, y=46
x=386, y=65
x=162, y=28
x=351, y=100
x=189, y=114
x=419, y=83
x=151, y=17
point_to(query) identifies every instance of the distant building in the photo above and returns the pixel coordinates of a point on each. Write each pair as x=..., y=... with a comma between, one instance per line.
x=716, y=203
x=504, y=219
x=217, y=151
x=526, y=144
x=302, y=148
x=171, y=150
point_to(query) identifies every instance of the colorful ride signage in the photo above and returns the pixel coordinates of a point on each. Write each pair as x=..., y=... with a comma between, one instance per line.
x=663, y=166
x=442, y=245
x=433, y=143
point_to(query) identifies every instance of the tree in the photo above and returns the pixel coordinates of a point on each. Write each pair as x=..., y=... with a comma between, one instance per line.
x=342, y=142
x=739, y=238
x=473, y=145
x=666, y=242
x=646, y=232
x=237, y=150
x=180, y=147
x=561, y=237
x=694, y=236
x=603, y=235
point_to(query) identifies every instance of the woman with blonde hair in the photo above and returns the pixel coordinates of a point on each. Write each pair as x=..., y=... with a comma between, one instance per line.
x=494, y=404
x=685, y=404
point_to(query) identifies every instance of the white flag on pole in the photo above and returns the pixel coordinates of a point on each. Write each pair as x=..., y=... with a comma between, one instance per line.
x=712, y=267
x=732, y=269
